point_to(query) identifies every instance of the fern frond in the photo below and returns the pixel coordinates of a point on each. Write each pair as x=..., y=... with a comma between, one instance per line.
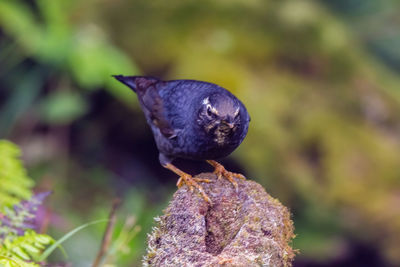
x=20, y=245
x=9, y=262
x=27, y=248
x=15, y=221
x=15, y=185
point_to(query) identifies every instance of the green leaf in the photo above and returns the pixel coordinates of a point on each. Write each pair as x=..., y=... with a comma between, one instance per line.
x=62, y=107
x=18, y=20
x=50, y=249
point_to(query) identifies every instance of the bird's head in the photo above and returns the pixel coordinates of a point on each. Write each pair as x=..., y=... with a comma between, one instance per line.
x=219, y=116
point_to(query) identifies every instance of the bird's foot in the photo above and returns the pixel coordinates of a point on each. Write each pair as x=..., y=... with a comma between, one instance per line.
x=220, y=171
x=198, y=180
x=192, y=183
x=189, y=181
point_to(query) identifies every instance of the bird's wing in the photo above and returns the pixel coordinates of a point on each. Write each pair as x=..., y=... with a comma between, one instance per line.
x=148, y=94
x=153, y=102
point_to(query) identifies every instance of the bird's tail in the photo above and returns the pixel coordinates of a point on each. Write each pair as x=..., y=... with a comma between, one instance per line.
x=136, y=83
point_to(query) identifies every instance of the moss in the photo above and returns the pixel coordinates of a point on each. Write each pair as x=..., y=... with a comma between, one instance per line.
x=241, y=228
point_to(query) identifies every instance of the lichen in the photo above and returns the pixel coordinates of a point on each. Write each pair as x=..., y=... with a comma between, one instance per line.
x=246, y=227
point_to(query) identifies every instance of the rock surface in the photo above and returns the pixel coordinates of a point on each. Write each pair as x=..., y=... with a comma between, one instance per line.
x=241, y=228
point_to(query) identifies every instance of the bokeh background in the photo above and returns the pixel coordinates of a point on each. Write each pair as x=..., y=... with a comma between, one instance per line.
x=321, y=80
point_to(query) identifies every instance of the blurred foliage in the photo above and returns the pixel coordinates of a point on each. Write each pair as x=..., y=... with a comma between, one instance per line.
x=19, y=244
x=81, y=53
x=23, y=251
x=376, y=24
x=15, y=184
x=320, y=80
x=62, y=107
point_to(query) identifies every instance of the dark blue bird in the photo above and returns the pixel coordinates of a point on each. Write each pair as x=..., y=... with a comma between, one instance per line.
x=192, y=120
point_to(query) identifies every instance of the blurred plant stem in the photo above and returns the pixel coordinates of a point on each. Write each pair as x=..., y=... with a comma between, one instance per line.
x=105, y=243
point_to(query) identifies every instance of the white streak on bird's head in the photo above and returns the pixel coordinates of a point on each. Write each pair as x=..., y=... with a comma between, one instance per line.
x=209, y=107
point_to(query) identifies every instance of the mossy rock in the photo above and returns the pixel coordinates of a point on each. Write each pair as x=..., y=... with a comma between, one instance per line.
x=246, y=227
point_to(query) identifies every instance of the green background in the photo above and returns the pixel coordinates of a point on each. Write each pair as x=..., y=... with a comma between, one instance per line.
x=320, y=80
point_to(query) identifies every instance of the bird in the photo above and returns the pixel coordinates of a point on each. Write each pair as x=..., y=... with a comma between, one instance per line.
x=191, y=119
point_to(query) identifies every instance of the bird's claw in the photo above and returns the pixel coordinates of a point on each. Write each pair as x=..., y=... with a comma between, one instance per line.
x=223, y=261
x=198, y=180
x=193, y=183
x=239, y=176
x=220, y=171
x=202, y=180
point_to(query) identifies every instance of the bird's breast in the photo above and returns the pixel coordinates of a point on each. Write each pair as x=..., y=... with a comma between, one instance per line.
x=223, y=135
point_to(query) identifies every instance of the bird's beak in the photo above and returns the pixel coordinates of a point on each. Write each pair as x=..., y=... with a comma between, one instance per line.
x=229, y=124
